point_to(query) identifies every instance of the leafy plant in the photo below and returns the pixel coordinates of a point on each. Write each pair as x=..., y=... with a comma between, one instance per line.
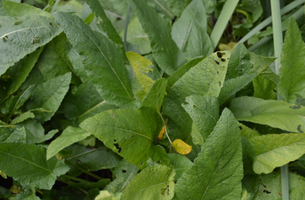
x=84, y=117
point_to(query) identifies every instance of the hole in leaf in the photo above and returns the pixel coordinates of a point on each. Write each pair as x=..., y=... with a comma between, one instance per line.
x=266, y=191
x=220, y=54
x=117, y=146
x=5, y=38
x=114, y=140
x=299, y=128
x=217, y=72
x=216, y=62
x=223, y=60
x=132, y=136
x=51, y=24
x=240, y=128
x=219, y=83
x=35, y=40
x=141, y=163
x=195, y=106
x=124, y=171
x=18, y=22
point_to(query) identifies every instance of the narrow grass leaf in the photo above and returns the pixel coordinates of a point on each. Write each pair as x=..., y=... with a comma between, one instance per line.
x=218, y=170
x=102, y=60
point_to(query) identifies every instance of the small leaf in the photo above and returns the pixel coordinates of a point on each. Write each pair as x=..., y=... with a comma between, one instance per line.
x=22, y=117
x=181, y=147
x=69, y=136
x=161, y=134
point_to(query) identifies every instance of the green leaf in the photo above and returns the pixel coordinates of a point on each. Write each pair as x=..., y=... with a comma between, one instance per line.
x=129, y=132
x=22, y=117
x=49, y=96
x=92, y=159
x=154, y=182
x=54, y=59
x=182, y=70
x=140, y=66
x=17, y=135
x=124, y=173
x=21, y=9
x=20, y=36
x=85, y=103
x=275, y=150
x=105, y=23
x=204, y=112
x=27, y=164
x=155, y=96
x=102, y=62
x=264, y=88
x=217, y=171
x=292, y=72
x=34, y=130
x=248, y=132
x=277, y=114
x=181, y=164
x=165, y=51
x=69, y=136
x=19, y=72
x=190, y=31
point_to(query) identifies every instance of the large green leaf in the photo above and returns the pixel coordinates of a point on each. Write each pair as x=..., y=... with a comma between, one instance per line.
x=190, y=31
x=264, y=88
x=19, y=72
x=103, y=21
x=292, y=72
x=22, y=35
x=102, y=61
x=154, y=182
x=129, y=132
x=165, y=51
x=49, y=96
x=27, y=164
x=155, y=96
x=277, y=114
x=69, y=136
x=85, y=103
x=217, y=171
x=204, y=111
x=54, y=59
x=22, y=9
x=180, y=163
x=275, y=150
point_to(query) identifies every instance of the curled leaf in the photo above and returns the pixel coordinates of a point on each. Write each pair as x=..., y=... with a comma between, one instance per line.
x=161, y=134
x=181, y=147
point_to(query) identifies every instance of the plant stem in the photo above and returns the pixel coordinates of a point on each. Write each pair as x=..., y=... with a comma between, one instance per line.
x=222, y=21
x=278, y=43
x=85, y=171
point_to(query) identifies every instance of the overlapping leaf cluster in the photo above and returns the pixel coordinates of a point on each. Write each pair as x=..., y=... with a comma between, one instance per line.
x=74, y=102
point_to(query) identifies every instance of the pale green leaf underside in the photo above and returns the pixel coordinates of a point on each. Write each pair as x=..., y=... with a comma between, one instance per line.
x=154, y=182
x=217, y=171
x=27, y=164
x=275, y=150
x=20, y=36
x=277, y=114
x=129, y=132
x=102, y=60
x=69, y=136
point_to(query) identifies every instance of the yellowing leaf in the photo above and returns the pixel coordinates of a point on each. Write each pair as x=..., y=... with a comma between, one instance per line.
x=181, y=147
x=161, y=134
x=139, y=65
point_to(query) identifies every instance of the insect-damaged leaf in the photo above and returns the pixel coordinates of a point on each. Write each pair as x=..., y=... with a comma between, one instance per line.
x=154, y=182
x=277, y=114
x=27, y=164
x=102, y=60
x=129, y=132
x=217, y=171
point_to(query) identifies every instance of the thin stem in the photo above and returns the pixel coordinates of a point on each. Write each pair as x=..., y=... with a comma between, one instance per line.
x=74, y=178
x=83, y=170
x=278, y=43
x=126, y=27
